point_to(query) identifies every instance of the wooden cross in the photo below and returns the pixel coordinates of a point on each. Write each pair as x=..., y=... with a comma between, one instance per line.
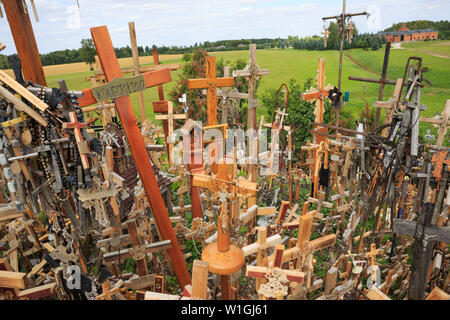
x=325, y=33
x=76, y=126
x=274, y=275
x=442, y=123
x=390, y=105
x=110, y=65
x=211, y=82
x=252, y=73
x=108, y=293
x=318, y=95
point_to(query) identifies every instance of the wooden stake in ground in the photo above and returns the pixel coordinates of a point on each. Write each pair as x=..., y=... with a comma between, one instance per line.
x=211, y=82
x=134, y=50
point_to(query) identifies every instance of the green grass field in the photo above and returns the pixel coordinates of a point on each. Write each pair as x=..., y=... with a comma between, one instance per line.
x=301, y=64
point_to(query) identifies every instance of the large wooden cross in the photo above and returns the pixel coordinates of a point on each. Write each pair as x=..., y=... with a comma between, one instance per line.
x=318, y=95
x=211, y=82
x=110, y=65
x=252, y=73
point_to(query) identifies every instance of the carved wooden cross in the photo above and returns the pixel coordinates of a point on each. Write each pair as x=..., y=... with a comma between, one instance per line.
x=442, y=123
x=278, y=279
x=110, y=65
x=252, y=73
x=211, y=82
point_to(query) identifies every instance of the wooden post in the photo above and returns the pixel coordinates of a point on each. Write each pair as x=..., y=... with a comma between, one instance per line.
x=127, y=116
x=134, y=50
x=22, y=32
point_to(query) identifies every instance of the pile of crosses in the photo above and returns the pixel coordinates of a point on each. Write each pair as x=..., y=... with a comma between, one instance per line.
x=87, y=191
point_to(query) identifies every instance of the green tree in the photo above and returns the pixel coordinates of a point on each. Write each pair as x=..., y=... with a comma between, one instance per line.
x=88, y=52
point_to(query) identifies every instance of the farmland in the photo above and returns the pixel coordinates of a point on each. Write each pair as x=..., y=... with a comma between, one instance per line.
x=301, y=64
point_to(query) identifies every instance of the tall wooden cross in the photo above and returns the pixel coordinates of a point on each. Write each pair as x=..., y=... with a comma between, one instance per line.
x=318, y=95
x=110, y=65
x=77, y=126
x=211, y=82
x=252, y=73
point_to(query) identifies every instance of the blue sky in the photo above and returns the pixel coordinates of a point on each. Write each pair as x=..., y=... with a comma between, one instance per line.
x=185, y=22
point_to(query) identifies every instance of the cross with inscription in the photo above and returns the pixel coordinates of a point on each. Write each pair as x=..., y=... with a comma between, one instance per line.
x=211, y=82
x=110, y=65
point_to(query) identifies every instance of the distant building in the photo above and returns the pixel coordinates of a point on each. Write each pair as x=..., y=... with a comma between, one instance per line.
x=222, y=47
x=404, y=34
x=242, y=46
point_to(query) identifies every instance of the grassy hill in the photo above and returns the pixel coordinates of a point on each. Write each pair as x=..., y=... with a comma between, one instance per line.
x=302, y=64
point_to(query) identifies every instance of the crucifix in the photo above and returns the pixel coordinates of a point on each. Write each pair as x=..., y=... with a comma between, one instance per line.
x=110, y=65
x=341, y=20
x=211, y=82
x=350, y=32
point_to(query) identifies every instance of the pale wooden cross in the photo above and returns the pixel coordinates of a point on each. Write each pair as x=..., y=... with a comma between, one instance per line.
x=170, y=117
x=443, y=122
x=390, y=105
x=278, y=278
x=211, y=82
x=76, y=126
x=108, y=293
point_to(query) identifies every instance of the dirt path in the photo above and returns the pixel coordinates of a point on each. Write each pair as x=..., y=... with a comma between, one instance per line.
x=347, y=55
x=429, y=53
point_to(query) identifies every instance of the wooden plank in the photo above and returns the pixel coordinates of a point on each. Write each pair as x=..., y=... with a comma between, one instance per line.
x=151, y=79
x=376, y=294
x=16, y=280
x=330, y=282
x=266, y=211
x=19, y=105
x=27, y=95
x=39, y=292
x=438, y=294
x=304, y=229
x=408, y=227
x=200, y=280
x=270, y=242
